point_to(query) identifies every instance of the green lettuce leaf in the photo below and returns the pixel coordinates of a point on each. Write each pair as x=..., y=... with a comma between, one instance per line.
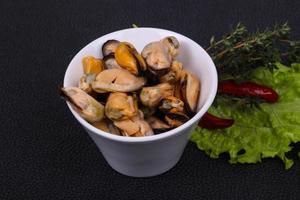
x=258, y=132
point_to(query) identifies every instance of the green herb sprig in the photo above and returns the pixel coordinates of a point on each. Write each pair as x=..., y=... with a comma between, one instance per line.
x=237, y=54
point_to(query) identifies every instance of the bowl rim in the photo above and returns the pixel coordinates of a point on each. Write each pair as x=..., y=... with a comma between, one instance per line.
x=161, y=136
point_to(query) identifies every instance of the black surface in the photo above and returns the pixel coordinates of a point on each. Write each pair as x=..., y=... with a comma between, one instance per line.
x=45, y=154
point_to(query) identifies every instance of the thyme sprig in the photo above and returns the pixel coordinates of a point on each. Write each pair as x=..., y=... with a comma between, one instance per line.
x=237, y=54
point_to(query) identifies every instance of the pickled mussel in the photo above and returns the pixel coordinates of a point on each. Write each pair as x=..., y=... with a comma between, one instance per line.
x=171, y=102
x=110, y=62
x=151, y=96
x=157, y=58
x=91, y=68
x=109, y=47
x=120, y=106
x=159, y=55
x=128, y=58
x=172, y=44
x=157, y=125
x=190, y=89
x=87, y=107
x=117, y=80
x=174, y=74
x=134, y=127
x=107, y=126
x=175, y=118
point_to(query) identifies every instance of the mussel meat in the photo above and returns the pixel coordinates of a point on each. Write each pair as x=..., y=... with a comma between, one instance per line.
x=151, y=96
x=128, y=58
x=102, y=125
x=120, y=106
x=157, y=125
x=147, y=111
x=171, y=102
x=174, y=74
x=134, y=127
x=92, y=65
x=87, y=106
x=107, y=126
x=157, y=58
x=117, y=80
x=85, y=83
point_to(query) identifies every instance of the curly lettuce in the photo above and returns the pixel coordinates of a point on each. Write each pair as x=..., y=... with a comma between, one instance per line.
x=258, y=132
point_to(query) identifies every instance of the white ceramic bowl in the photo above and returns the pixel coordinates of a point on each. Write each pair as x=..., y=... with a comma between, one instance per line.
x=150, y=155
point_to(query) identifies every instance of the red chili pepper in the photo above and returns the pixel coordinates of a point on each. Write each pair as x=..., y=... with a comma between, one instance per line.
x=210, y=121
x=248, y=89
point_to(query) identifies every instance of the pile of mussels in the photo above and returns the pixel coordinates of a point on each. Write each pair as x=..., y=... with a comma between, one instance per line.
x=132, y=94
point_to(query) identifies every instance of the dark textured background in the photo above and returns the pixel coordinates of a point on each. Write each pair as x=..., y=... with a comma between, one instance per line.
x=45, y=154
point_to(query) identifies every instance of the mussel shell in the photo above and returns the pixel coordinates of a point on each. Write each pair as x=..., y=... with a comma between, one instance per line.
x=101, y=97
x=172, y=44
x=176, y=119
x=158, y=73
x=153, y=77
x=190, y=89
x=173, y=41
x=177, y=90
x=140, y=60
x=178, y=116
x=109, y=47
